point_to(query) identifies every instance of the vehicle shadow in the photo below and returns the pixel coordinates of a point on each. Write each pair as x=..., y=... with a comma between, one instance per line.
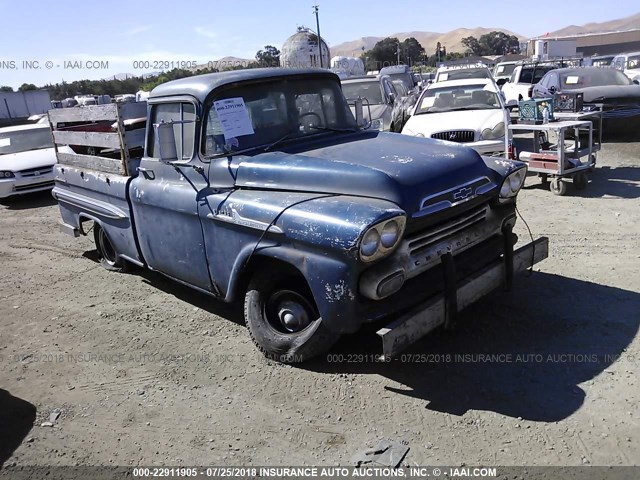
x=621, y=182
x=29, y=200
x=230, y=311
x=521, y=354
x=17, y=417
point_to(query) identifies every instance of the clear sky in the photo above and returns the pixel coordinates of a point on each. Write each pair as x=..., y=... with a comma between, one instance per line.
x=121, y=32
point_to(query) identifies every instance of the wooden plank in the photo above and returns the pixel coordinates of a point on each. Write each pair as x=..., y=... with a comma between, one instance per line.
x=91, y=139
x=92, y=162
x=88, y=113
x=134, y=138
x=132, y=110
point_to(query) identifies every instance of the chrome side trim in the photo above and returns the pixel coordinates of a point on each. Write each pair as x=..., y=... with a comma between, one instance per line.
x=89, y=204
x=237, y=219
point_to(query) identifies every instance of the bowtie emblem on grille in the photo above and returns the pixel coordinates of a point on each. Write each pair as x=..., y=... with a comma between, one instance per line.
x=463, y=193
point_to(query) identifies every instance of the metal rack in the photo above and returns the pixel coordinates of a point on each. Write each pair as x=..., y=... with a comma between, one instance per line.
x=556, y=162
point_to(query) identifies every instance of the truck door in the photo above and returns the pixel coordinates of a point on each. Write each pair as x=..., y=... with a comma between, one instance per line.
x=164, y=200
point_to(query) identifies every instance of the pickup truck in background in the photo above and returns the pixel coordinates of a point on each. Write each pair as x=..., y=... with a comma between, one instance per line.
x=524, y=77
x=260, y=184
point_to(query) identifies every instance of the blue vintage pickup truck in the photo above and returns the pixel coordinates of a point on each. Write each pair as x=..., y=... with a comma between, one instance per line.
x=262, y=184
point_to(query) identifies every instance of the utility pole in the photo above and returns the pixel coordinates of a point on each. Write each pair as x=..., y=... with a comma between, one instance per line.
x=315, y=10
x=398, y=52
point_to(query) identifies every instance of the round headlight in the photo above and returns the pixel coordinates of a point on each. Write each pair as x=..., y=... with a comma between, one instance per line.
x=505, y=190
x=370, y=243
x=515, y=182
x=389, y=234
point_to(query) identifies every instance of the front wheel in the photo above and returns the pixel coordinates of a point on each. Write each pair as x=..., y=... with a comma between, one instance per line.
x=283, y=320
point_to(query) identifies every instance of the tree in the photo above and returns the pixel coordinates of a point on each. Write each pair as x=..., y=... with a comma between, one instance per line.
x=269, y=57
x=410, y=50
x=27, y=86
x=473, y=45
x=5, y=88
x=383, y=54
x=492, y=43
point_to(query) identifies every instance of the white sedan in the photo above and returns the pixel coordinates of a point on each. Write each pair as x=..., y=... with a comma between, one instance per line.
x=470, y=112
x=27, y=158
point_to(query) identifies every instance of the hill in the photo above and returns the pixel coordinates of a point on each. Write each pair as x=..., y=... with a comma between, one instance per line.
x=627, y=23
x=451, y=40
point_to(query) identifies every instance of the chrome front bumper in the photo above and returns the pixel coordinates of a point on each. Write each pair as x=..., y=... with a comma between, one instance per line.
x=429, y=315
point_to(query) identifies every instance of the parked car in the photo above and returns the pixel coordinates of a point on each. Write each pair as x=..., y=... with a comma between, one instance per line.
x=471, y=112
x=629, y=63
x=598, y=61
x=402, y=73
x=382, y=107
x=406, y=98
x=462, y=71
x=619, y=96
x=524, y=77
x=27, y=158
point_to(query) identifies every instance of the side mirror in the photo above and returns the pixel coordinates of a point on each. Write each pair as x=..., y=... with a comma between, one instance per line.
x=636, y=81
x=392, y=98
x=552, y=89
x=165, y=136
x=502, y=81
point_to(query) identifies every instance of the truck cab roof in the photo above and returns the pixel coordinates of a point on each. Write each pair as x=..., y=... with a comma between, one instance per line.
x=200, y=86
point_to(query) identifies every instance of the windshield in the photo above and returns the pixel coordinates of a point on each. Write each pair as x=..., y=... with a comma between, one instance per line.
x=464, y=73
x=506, y=69
x=369, y=90
x=248, y=116
x=466, y=97
x=597, y=77
x=24, y=140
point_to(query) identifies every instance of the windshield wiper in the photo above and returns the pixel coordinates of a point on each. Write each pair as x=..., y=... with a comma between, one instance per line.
x=329, y=129
x=281, y=139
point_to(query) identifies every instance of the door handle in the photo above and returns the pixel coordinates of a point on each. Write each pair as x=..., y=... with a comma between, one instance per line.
x=148, y=173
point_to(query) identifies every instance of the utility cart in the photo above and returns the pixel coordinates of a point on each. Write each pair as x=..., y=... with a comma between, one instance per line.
x=595, y=116
x=557, y=151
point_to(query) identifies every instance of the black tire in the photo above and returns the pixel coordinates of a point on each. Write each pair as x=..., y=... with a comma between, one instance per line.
x=109, y=258
x=558, y=187
x=580, y=181
x=303, y=338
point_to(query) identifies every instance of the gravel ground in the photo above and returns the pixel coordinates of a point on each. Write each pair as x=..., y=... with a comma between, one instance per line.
x=144, y=371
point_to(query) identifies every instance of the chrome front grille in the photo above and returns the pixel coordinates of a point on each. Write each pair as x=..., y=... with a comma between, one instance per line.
x=459, y=136
x=424, y=240
x=34, y=172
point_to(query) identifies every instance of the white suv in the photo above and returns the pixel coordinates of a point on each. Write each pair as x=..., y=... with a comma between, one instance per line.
x=520, y=85
x=629, y=63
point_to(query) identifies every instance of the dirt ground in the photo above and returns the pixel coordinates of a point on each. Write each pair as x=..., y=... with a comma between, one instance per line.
x=146, y=372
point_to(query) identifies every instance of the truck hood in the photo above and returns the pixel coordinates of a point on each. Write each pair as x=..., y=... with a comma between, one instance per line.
x=15, y=162
x=398, y=168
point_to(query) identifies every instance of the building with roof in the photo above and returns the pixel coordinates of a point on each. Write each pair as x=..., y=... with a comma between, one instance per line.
x=604, y=43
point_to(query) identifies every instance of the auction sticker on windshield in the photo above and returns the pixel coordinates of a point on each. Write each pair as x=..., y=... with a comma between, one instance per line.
x=234, y=117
